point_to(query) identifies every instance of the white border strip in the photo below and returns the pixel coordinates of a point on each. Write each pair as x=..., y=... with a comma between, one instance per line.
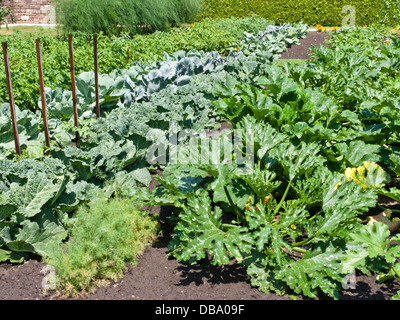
x=30, y=25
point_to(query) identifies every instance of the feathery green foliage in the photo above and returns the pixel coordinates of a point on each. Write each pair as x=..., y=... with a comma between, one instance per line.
x=135, y=16
x=107, y=234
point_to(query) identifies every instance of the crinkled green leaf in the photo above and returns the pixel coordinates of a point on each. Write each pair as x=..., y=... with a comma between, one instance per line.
x=375, y=236
x=265, y=136
x=34, y=235
x=39, y=190
x=341, y=204
x=74, y=194
x=356, y=152
x=319, y=268
x=299, y=160
x=200, y=228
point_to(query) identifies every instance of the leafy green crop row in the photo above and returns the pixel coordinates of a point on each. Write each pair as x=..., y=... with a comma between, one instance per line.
x=114, y=53
x=326, y=137
x=39, y=196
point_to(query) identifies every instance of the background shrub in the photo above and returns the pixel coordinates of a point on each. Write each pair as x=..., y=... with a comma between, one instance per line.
x=312, y=12
x=135, y=16
x=390, y=14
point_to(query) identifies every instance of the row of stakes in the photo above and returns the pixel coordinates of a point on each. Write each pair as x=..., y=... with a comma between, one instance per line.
x=42, y=90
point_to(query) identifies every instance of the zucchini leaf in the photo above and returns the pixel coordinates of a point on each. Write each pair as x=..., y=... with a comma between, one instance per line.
x=200, y=228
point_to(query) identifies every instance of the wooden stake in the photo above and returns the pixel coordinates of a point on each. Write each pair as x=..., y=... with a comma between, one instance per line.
x=72, y=68
x=96, y=75
x=42, y=95
x=11, y=99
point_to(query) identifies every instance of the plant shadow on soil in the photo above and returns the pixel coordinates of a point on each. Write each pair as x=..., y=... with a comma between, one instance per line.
x=366, y=287
x=203, y=271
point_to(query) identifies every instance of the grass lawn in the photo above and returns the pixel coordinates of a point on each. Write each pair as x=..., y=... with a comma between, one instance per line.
x=50, y=30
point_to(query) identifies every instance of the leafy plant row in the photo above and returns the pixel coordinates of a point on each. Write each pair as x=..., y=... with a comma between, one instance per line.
x=40, y=195
x=325, y=139
x=115, y=53
x=326, y=149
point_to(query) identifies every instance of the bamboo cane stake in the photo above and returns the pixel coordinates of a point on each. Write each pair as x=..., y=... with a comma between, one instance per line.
x=72, y=68
x=11, y=99
x=96, y=75
x=42, y=94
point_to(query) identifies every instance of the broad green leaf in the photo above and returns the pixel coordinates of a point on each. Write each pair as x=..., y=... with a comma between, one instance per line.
x=354, y=259
x=375, y=236
x=39, y=190
x=348, y=195
x=395, y=159
x=200, y=228
x=310, y=189
x=257, y=101
x=265, y=136
x=262, y=182
x=6, y=208
x=392, y=193
x=35, y=236
x=356, y=152
x=238, y=191
x=279, y=85
x=74, y=194
x=140, y=174
x=396, y=296
x=264, y=279
x=341, y=204
x=7, y=255
x=317, y=269
x=307, y=133
x=393, y=252
x=299, y=160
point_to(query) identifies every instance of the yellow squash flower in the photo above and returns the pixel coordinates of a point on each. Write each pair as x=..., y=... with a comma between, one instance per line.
x=369, y=175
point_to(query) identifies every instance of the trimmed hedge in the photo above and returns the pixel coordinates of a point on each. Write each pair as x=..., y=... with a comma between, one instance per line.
x=312, y=12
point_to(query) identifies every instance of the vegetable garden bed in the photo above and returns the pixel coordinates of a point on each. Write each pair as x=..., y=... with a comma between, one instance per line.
x=158, y=276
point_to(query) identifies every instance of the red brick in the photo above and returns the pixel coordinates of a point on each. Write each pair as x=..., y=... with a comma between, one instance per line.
x=33, y=9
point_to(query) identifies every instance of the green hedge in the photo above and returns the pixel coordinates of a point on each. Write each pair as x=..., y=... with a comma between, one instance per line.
x=312, y=12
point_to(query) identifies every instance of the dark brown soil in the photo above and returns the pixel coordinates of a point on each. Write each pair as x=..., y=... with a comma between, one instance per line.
x=158, y=277
x=303, y=51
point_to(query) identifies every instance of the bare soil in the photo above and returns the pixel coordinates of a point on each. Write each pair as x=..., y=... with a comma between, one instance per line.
x=159, y=277
x=303, y=51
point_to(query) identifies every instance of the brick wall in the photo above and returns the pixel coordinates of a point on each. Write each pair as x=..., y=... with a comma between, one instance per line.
x=32, y=11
